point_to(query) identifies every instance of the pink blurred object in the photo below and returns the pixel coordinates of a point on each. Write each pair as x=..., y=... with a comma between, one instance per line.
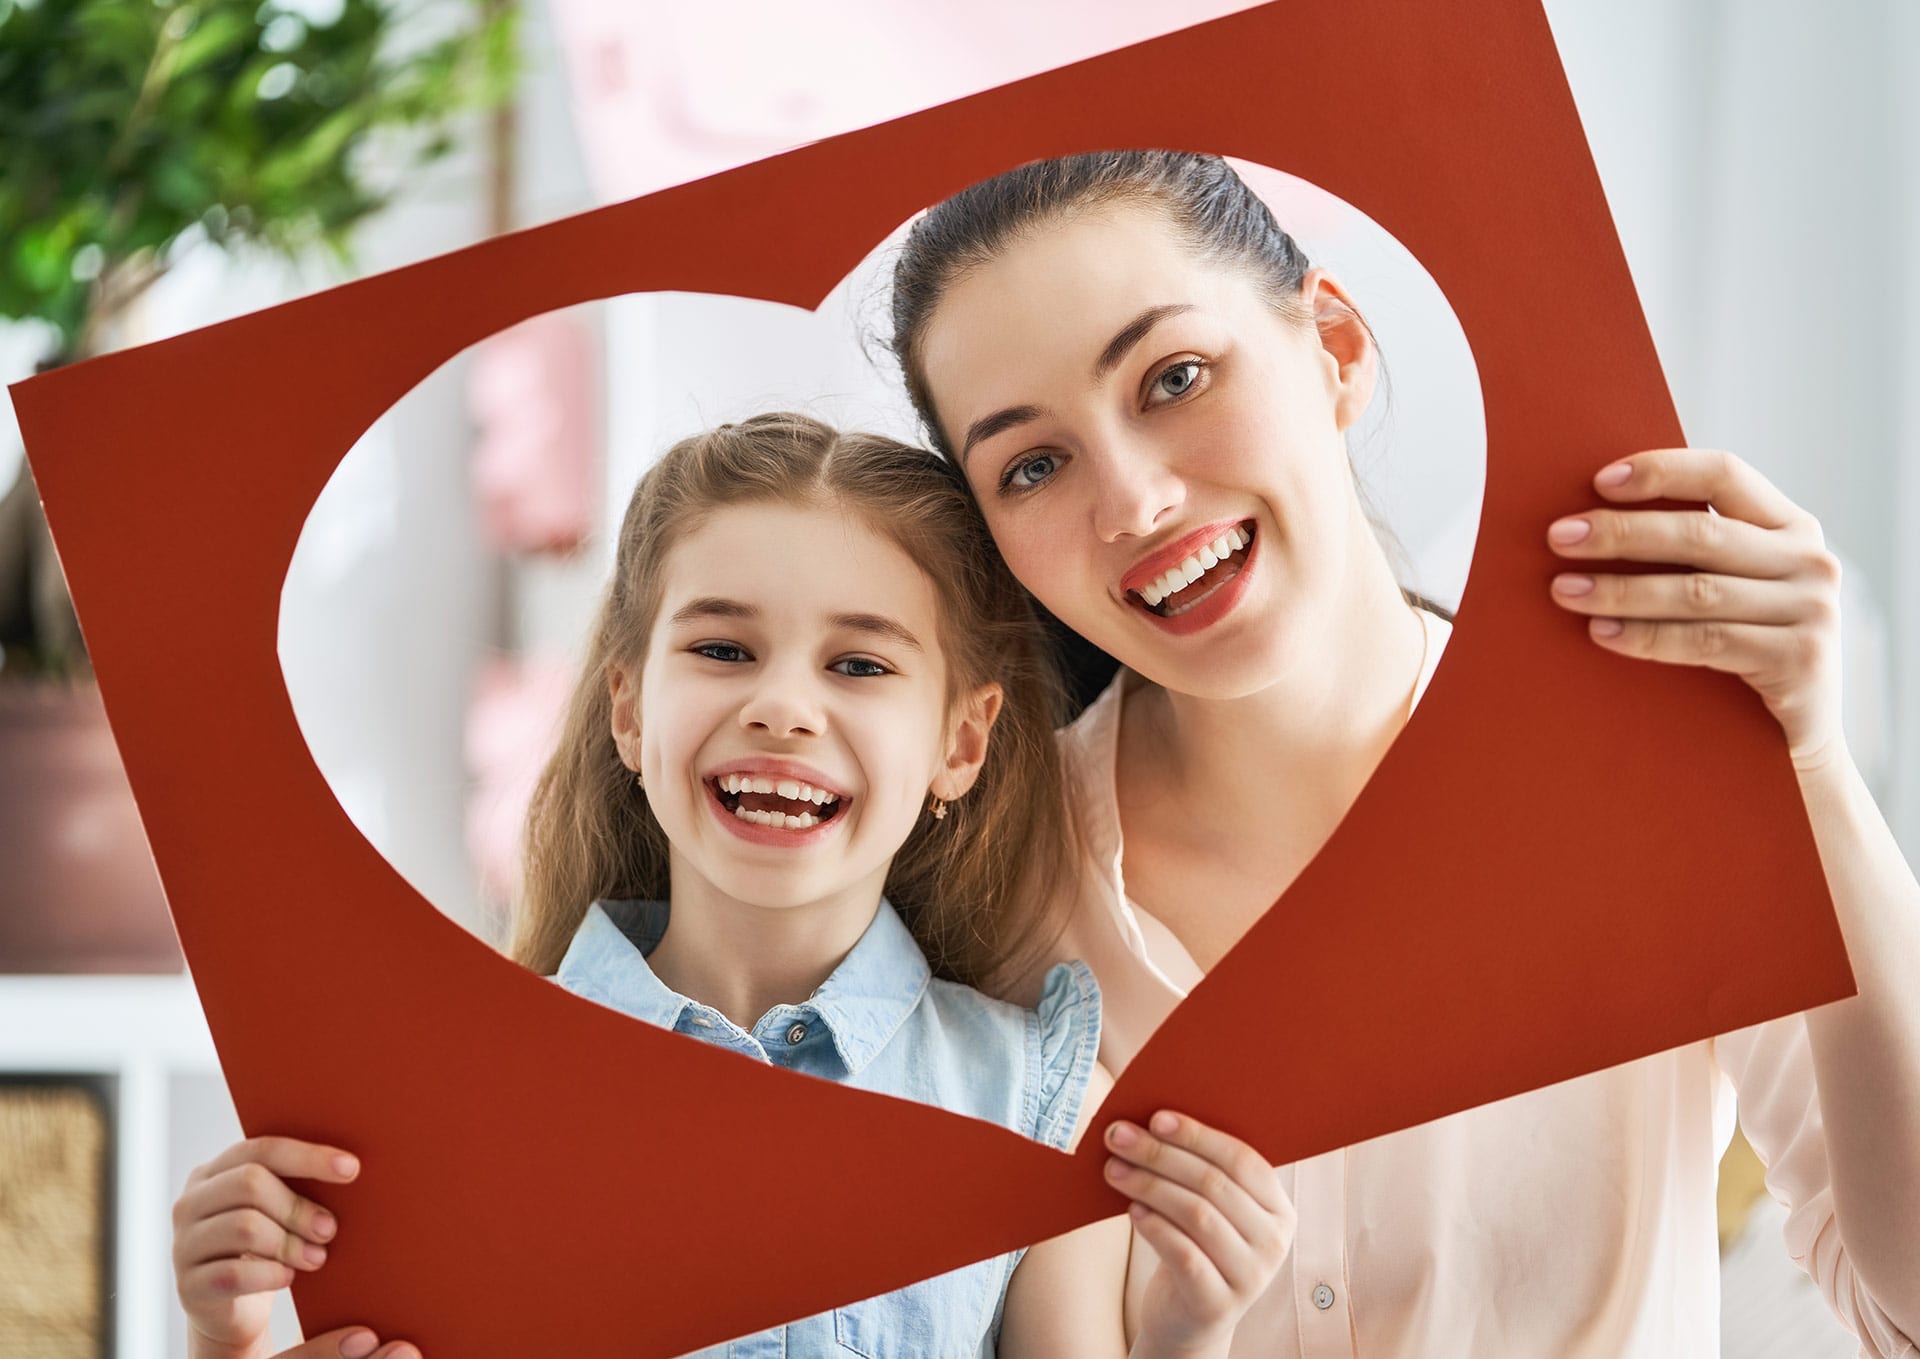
x=532, y=392
x=668, y=93
x=513, y=723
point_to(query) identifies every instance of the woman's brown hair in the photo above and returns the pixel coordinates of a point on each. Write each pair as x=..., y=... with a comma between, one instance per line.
x=976, y=887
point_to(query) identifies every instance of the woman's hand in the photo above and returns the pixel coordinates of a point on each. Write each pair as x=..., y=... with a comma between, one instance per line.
x=1215, y=1215
x=1762, y=600
x=240, y=1234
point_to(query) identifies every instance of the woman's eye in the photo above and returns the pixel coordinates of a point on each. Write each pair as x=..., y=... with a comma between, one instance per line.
x=859, y=667
x=721, y=651
x=1177, y=381
x=1028, y=473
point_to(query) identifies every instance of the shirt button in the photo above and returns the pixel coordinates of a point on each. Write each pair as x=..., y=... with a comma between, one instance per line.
x=796, y=1033
x=1323, y=1297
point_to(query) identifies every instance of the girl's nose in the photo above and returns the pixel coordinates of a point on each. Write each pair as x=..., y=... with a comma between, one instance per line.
x=783, y=705
x=1134, y=490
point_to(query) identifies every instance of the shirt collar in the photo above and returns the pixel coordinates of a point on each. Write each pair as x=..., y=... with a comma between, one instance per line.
x=863, y=1003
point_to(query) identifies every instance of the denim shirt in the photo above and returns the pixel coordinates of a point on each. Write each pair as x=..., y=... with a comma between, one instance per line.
x=881, y=1022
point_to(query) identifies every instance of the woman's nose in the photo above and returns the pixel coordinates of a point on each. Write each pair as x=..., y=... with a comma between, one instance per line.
x=1134, y=490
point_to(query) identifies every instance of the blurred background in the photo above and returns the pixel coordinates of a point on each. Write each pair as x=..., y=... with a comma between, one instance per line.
x=164, y=165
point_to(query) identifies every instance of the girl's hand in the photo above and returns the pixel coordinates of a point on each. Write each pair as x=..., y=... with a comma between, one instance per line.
x=1762, y=602
x=240, y=1234
x=1214, y=1213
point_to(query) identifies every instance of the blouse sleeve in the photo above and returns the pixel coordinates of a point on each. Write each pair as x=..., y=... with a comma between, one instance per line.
x=1771, y=1066
x=1064, y=1039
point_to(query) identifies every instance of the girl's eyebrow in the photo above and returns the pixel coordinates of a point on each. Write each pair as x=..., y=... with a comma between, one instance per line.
x=874, y=624
x=878, y=625
x=1129, y=335
x=711, y=606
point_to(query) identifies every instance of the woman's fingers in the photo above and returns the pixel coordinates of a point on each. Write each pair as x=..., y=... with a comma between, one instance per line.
x=1695, y=595
x=1212, y=1187
x=252, y=1185
x=245, y=1232
x=1696, y=538
x=1709, y=476
x=1768, y=656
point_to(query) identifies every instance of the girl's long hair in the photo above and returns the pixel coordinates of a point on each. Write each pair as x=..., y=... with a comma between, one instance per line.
x=978, y=889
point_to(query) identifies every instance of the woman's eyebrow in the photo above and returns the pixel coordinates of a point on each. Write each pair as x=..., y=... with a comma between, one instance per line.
x=1117, y=348
x=1132, y=333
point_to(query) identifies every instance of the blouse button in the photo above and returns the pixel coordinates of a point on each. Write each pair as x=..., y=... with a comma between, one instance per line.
x=796, y=1033
x=1323, y=1297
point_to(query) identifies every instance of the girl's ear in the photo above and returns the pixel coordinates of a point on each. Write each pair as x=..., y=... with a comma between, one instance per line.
x=1352, y=360
x=967, y=742
x=625, y=723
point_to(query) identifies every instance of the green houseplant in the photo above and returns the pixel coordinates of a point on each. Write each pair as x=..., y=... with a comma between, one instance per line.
x=131, y=133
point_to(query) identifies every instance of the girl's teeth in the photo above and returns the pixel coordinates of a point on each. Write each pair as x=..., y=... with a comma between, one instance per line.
x=778, y=820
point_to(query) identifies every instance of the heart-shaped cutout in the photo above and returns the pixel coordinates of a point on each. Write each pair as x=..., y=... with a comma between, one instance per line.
x=374, y=543
x=1464, y=939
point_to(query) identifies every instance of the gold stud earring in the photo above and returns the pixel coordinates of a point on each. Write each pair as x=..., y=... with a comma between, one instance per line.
x=939, y=809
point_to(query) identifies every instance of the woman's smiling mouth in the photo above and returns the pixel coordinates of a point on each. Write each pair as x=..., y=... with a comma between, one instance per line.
x=1203, y=569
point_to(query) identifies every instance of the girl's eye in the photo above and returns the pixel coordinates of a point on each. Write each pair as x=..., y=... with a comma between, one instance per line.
x=1028, y=473
x=721, y=651
x=859, y=667
x=1176, y=382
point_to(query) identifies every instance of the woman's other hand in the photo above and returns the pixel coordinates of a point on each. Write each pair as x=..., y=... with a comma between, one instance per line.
x=1762, y=600
x=240, y=1234
x=1215, y=1214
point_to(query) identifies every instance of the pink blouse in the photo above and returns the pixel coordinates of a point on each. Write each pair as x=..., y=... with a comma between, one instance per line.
x=1573, y=1222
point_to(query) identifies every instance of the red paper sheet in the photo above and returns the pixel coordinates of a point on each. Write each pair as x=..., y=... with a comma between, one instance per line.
x=547, y=1177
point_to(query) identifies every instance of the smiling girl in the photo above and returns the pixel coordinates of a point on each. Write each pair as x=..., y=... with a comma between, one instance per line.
x=1149, y=389
x=803, y=783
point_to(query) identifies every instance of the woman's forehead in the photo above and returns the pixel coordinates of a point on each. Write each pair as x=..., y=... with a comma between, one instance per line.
x=1043, y=309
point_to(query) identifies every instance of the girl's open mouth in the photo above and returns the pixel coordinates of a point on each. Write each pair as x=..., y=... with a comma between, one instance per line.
x=1189, y=582
x=776, y=803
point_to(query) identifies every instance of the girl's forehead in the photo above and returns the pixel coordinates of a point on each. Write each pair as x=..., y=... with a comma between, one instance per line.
x=797, y=560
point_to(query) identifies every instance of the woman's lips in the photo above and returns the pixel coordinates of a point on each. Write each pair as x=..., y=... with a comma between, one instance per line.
x=1211, y=596
x=1208, y=565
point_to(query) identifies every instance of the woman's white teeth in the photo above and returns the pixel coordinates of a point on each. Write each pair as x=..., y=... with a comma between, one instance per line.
x=778, y=820
x=1177, y=578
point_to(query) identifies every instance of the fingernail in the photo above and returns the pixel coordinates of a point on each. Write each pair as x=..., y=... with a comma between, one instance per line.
x=1606, y=627
x=1136, y=1211
x=1165, y=1124
x=1115, y=1167
x=314, y=1255
x=359, y=1345
x=324, y=1226
x=1615, y=474
x=1573, y=586
x=346, y=1165
x=1122, y=1134
x=1566, y=532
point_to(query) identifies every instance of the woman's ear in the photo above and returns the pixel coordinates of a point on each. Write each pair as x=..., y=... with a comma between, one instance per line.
x=967, y=742
x=625, y=722
x=1352, y=361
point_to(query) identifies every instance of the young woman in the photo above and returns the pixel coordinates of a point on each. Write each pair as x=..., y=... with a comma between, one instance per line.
x=1147, y=388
